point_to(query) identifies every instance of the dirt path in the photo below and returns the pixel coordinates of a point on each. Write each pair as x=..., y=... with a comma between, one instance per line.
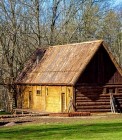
x=50, y=120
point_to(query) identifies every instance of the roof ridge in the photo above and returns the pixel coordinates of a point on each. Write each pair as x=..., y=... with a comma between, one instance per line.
x=71, y=44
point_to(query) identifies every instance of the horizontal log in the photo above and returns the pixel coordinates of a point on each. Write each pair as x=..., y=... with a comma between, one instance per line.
x=97, y=98
x=94, y=107
x=94, y=110
x=89, y=93
x=87, y=101
x=96, y=102
x=92, y=103
x=92, y=99
x=93, y=95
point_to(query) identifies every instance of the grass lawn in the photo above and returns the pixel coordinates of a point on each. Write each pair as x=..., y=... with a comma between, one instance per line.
x=4, y=113
x=104, y=129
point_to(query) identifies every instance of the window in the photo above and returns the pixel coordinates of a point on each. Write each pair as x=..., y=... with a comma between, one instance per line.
x=110, y=90
x=38, y=92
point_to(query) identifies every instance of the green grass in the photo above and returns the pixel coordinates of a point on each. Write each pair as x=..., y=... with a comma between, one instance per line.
x=4, y=113
x=83, y=130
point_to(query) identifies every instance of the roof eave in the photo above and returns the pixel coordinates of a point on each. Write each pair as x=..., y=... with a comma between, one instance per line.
x=46, y=84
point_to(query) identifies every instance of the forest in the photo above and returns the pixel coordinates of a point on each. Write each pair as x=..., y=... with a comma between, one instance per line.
x=29, y=24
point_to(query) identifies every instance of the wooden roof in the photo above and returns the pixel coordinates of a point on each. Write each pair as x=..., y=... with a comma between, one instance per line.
x=62, y=64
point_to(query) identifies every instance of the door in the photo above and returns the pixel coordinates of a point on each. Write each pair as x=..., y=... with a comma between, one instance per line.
x=63, y=102
x=30, y=103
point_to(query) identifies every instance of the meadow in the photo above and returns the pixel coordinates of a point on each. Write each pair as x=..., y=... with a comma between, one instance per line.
x=84, y=129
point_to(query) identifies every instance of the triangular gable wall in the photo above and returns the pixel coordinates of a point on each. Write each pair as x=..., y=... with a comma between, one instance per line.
x=101, y=70
x=118, y=67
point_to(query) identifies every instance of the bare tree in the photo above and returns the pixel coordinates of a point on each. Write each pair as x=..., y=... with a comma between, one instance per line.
x=11, y=43
x=29, y=24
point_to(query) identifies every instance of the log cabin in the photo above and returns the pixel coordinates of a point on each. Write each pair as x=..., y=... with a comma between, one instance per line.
x=84, y=75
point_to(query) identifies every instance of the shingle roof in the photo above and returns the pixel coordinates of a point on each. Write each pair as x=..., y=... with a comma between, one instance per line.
x=62, y=64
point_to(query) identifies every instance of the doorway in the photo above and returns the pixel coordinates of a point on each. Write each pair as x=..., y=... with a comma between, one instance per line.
x=30, y=103
x=63, y=102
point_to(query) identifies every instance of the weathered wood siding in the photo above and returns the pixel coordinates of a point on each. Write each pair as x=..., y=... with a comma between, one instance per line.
x=92, y=99
x=94, y=85
x=48, y=100
x=53, y=101
x=100, y=70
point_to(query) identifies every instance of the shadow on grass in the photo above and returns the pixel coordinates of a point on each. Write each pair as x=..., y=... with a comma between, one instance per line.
x=59, y=131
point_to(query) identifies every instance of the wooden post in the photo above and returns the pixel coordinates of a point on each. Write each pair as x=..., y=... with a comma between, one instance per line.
x=116, y=90
x=112, y=103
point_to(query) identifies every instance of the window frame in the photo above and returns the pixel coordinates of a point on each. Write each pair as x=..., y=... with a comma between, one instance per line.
x=38, y=92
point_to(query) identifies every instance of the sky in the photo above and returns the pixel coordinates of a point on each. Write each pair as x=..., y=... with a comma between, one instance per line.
x=117, y=2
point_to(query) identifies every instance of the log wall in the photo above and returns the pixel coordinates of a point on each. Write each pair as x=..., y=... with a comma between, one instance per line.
x=99, y=79
x=93, y=99
x=100, y=71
